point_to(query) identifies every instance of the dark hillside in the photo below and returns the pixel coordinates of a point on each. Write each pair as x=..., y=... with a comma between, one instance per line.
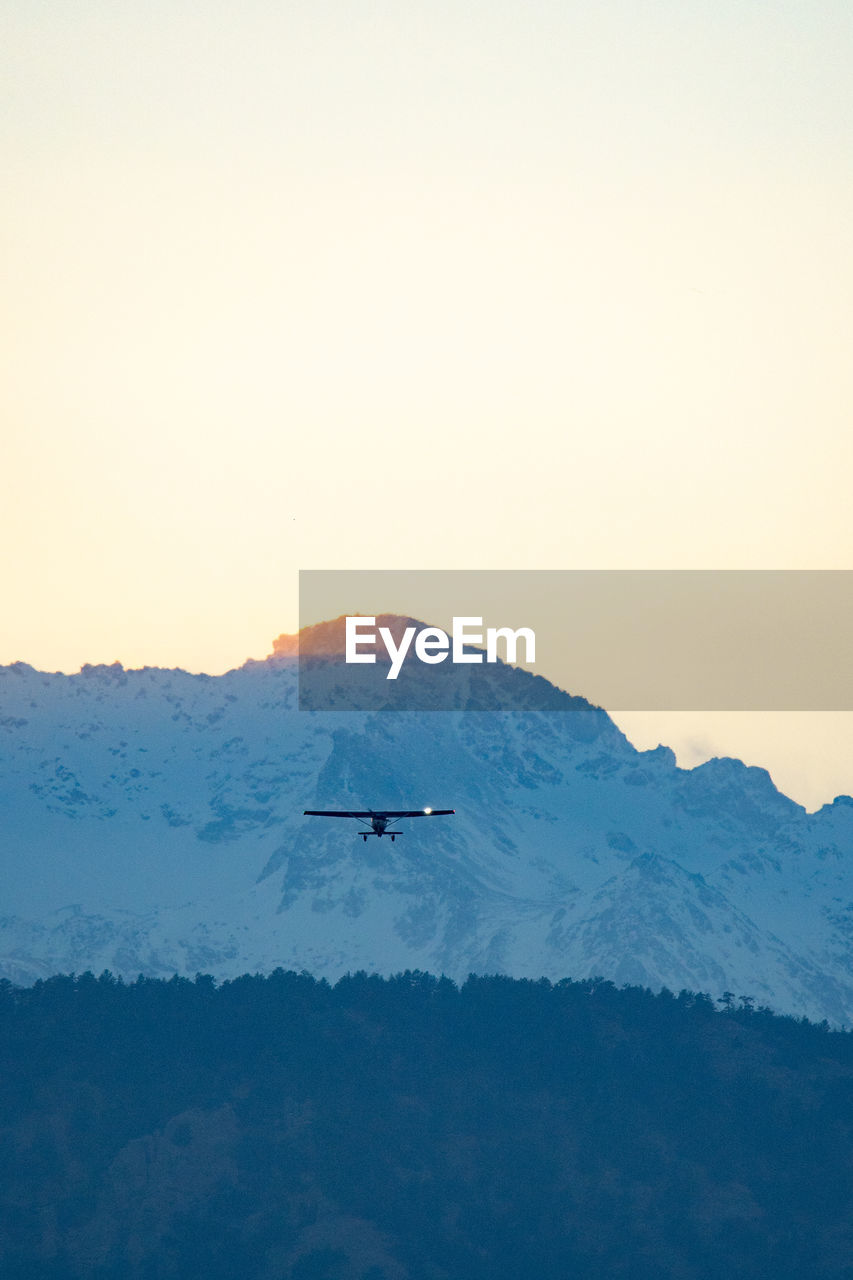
x=407, y=1129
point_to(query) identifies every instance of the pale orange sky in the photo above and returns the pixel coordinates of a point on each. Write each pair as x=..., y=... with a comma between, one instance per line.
x=483, y=285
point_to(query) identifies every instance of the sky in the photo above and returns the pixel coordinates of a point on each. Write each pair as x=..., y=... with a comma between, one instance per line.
x=396, y=285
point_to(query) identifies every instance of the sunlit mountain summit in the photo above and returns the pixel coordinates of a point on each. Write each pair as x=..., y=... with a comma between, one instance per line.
x=152, y=822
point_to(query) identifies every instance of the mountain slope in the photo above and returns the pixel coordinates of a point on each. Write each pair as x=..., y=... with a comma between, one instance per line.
x=152, y=822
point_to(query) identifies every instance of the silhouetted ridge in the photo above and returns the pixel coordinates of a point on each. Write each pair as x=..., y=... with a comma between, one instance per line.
x=410, y=1129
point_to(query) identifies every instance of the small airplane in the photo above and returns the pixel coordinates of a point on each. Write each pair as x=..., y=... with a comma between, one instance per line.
x=377, y=819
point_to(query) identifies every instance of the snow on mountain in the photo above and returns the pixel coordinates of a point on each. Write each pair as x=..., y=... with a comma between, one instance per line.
x=152, y=822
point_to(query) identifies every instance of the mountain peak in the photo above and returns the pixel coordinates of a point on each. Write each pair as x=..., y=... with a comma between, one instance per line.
x=328, y=639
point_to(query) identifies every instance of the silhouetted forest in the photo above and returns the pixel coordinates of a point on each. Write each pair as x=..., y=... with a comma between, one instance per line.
x=409, y=1129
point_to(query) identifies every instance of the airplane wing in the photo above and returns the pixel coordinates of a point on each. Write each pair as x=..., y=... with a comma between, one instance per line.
x=336, y=813
x=375, y=813
x=412, y=813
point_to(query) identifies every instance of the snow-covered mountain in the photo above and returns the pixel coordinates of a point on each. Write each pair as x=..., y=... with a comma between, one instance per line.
x=151, y=821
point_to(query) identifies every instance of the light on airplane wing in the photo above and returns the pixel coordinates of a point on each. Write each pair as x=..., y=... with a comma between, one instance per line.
x=427, y=810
